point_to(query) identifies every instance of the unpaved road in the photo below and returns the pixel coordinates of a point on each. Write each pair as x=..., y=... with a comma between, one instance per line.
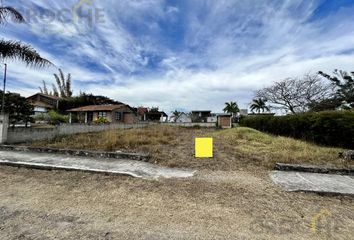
x=38, y=204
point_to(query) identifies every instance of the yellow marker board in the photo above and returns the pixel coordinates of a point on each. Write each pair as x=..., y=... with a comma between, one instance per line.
x=203, y=147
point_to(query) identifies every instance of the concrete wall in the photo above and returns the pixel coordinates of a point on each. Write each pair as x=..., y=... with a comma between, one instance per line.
x=21, y=135
x=4, y=124
x=208, y=125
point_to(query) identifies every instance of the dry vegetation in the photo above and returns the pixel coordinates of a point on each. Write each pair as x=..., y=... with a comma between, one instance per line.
x=234, y=149
x=231, y=196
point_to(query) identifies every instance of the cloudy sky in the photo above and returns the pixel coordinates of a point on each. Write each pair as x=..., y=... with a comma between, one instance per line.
x=181, y=54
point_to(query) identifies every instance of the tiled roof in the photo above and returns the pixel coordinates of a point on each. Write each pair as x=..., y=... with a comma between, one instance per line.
x=92, y=108
x=45, y=95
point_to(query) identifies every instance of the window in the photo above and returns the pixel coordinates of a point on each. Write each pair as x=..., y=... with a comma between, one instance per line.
x=119, y=116
x=102, y=114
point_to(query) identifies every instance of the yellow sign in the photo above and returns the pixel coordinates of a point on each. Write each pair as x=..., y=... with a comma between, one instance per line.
x=203, y=147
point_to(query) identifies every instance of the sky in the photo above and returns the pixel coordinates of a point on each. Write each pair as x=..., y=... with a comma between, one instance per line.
x=180, y=54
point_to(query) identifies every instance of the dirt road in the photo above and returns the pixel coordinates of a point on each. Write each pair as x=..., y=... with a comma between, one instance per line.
x=38, y=204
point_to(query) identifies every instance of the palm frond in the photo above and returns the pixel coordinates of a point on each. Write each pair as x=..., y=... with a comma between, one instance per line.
x=6, y=12
x=17, y=51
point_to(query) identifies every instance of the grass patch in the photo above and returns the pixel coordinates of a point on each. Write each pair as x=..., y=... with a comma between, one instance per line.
x=234, y=149
x=269, y=149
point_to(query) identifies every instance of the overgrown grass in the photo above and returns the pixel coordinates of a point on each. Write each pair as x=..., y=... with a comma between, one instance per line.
x=268, y=149
x=237, y=148
x=116, y=139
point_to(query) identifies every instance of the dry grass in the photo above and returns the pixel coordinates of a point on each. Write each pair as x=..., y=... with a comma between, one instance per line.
x=213, y=205
x=234, y=149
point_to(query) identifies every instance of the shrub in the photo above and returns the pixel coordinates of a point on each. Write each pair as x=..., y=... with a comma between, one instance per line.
x=101, y=120
x=57, y=118
x=334, y=128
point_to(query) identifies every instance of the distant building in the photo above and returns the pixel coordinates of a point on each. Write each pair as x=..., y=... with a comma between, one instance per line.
x=200, y=116
x=42, y=103
x=156, y=116
x=183, y=118
x=224, y=120
x=120, y=113
x=144, y=114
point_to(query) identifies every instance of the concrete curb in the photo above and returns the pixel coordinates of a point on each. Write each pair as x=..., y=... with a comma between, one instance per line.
x=313, y=169
x=81, y=153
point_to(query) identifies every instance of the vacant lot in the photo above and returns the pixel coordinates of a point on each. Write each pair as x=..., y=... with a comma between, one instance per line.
x=231, y=197
x=235, y=149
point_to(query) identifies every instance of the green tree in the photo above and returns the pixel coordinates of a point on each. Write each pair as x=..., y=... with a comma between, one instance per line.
x=84, y=99
x=18, y=108
x=231, y=108
x=154, y=109
x=15, y=50
x=259, y=105
x=344, y=86
x=176, y=114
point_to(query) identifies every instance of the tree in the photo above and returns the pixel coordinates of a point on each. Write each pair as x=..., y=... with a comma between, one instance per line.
x=84, y=99
x=176, y=114
x=296, y=94
x=64, y=85
x=15, y=50
x=154, y=109
x=344, y=86
x=259, y=104
x=231, y=108
x=18, y=108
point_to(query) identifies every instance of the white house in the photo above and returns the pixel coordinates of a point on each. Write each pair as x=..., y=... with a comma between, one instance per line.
x=184, y=118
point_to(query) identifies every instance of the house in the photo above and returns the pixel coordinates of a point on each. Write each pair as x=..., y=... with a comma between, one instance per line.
x=144, y=114
x=224, y=120
x=42, y=103
x=119, y=113
x=213, y=118
x=141, y=111
x=158, y=116
x=183, y=118
x=200, y=116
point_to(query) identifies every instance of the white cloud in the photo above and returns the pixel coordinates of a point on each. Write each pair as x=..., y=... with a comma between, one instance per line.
x=154, y=54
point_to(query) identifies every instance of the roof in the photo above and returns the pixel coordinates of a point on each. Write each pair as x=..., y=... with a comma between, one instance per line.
x=41, y=104
x=224, y=115
x=207, y=111
x=93, y=108
x=45, y=95
x=157, y=113
x=142, y=110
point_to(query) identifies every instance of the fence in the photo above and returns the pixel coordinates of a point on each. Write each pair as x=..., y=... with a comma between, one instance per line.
x=192, y=124
x=21, y=135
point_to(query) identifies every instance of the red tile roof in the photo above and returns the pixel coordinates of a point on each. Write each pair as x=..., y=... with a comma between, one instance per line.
x=93, y=108
x=142, y=110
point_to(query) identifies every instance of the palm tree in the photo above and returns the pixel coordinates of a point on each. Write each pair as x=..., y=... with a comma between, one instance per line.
x=231, y=108
x=15, y=49
x=64, y=85
x=259, y=105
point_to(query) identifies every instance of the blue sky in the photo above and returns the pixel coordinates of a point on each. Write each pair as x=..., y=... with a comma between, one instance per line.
x=185, y=54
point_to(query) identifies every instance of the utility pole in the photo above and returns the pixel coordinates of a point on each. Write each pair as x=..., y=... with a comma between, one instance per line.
x=3, y=93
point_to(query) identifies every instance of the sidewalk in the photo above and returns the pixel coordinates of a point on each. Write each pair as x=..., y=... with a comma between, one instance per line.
x=110, y=166
x=314, y=182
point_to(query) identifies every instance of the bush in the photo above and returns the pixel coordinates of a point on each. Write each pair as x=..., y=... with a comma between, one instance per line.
x=57, y=118
x=101, y=120
x=333, y=128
